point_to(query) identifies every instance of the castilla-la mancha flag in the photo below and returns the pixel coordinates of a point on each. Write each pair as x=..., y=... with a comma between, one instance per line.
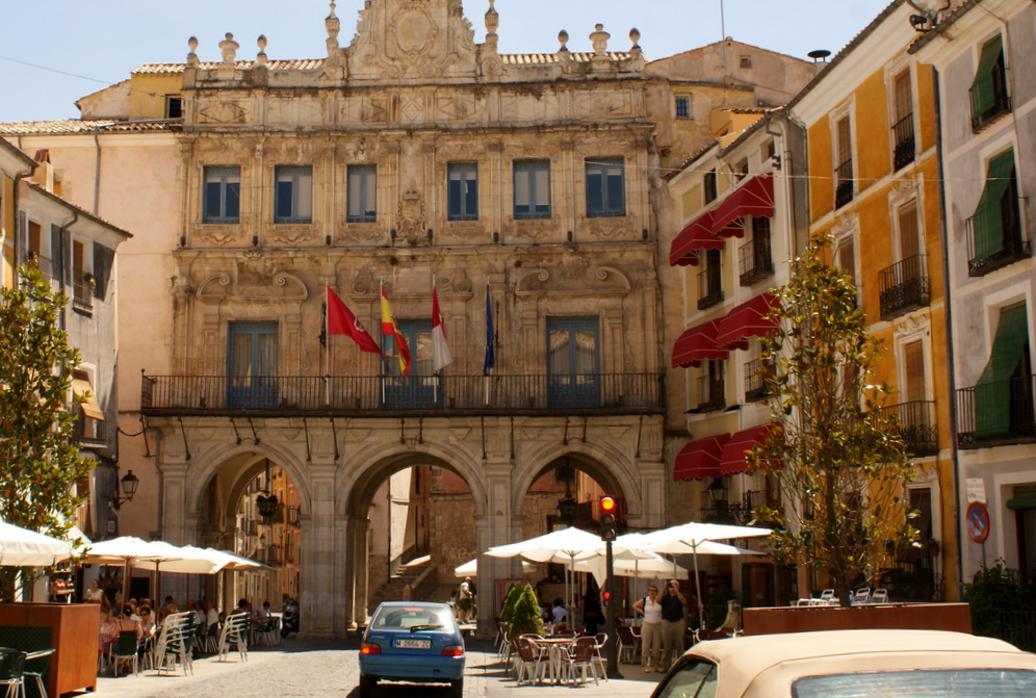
x=390, y=329
x=340, y=320
x=440, y=349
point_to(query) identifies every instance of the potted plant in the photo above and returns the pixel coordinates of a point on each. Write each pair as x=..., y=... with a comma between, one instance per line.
x=525, y=616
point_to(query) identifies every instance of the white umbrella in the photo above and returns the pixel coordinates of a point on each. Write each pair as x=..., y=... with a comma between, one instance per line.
x=470, y=569
x=689, y=538
x=158, y=555
x=20, y=547
x=646, y=568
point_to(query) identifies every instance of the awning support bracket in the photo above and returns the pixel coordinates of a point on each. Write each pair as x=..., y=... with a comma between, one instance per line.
x=237, y=434
x=420, y=430
x=586, y=420
x=512, y=437
x=309, y=452
x=255, y=437
x=564, y=439
x=334, y=438
x=640, y=430
x=483, y=424
x=183, y=435
x=143, y=431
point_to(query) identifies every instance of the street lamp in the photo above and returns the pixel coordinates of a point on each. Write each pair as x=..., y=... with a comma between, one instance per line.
x=567, y=507
x=267, y=502
x=129, y=483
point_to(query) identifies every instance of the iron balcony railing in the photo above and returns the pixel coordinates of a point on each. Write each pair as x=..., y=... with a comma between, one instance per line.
x=711, y=393
x=903, y=135
x=83, y=294
x=916, y=421
x=756, y=374
x=754, y=261
x=844, y=183
x=710, y=287
x=617, y=393
x=1013, y=248
x=998, y=412
x=904, y=286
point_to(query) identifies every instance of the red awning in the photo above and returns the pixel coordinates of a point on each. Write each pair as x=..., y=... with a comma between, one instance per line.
x=698, y=344
x=696, y=236
x=750, y=319
x=700, y=459
x=753, y=198
x=733, y=460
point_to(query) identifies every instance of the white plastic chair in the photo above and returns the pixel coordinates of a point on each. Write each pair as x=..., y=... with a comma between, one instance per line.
x=862, y=595
x=880, y=595
x=234, y=632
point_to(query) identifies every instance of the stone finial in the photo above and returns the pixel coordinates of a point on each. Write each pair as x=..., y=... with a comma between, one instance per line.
x=260, y=58
x=333, y=25
x=599, y=39
x=635, y=39
x=192, y=57
x=228, y=47
x=492, y=18
x=563, y=40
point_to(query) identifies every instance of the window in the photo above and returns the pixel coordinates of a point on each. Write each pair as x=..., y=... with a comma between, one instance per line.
x=952, y=683
x=420, y=388
x=845, y=257
x=709, y=182
x=903, y=120
x=1003, y=396
x=462, y=191
x=754, y=259
x=710, y=280
x=712, y=394
x=82, y=279
x=746, y=62
x=531, y=189
x=362, y=194
x=605, y=187
x=694, y=677
x=573, y=361
x=222, y=195
x=683, y=107
x=294, y=202
x=173, y=107
x=995, y=230
x=915, y=382
x=91, y=418
x=252, y=365
x=844, y=171
x=989, y=98
x=909, y=235
x=740, y=170
x=104, y=261
x=905, y=285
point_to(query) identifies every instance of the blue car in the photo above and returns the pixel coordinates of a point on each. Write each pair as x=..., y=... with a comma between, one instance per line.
x=415, y=642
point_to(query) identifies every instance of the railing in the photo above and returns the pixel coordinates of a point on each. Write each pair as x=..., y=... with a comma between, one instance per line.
x=754, y=260
x=998, y=412
x=1013, y=249
x=903, y=286
x=916, y=421
x=619, y=393
x=756, y=374
x=904, y=151
x=83, y=295
x=711, y=394
x=844, y=183
x=710, y=288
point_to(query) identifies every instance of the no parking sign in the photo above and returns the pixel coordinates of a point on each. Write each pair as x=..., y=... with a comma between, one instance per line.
x=977, y=520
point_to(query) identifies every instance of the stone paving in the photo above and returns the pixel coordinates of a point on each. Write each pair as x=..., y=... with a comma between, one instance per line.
x=300, y=668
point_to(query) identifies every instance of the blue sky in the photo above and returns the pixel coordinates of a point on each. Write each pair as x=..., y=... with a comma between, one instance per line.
x=105, y=39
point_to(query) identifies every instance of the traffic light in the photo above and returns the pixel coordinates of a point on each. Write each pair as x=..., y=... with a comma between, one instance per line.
x=608, y=507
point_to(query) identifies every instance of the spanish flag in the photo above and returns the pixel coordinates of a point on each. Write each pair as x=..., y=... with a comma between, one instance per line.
x=389, y=329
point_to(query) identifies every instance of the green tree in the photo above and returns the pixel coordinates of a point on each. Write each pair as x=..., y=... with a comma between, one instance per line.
x=838, y=457
x=525, y=618
x=41, y=461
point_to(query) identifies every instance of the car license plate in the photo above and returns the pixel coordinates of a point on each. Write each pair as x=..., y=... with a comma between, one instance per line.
x=411, y=644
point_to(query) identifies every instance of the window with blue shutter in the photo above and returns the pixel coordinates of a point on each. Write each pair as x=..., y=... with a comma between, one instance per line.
x=462, y=191
x=222, y=195
x=605, y=187
x=573, y=361
x=293, y=194
x=531, y=189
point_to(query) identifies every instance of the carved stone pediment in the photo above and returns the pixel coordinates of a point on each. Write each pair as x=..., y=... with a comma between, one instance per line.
x=253, y=283
x=412, y=38
x=574, y=278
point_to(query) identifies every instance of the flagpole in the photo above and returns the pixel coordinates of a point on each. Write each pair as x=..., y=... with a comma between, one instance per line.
x=327, y=346
x=435, y=383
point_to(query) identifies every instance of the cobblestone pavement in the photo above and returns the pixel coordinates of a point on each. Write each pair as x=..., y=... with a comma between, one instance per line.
x=300, y=668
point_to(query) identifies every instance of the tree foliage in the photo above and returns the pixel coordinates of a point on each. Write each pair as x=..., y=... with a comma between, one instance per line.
x=525, y=616
x=838, y=457
x=41, y=462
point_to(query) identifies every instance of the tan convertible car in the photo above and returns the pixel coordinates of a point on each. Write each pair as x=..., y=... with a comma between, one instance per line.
x=853, y=664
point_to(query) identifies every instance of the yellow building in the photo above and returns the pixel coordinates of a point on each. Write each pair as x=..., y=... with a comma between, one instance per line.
x=14, y=165
x=874, y=190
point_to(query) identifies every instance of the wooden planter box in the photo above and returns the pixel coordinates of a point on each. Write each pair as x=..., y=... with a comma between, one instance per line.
x=799, y=619
x=73, y=633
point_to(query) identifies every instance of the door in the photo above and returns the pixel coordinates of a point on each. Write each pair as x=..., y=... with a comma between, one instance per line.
x=573, y=362
x=422, y=388
x=252, y=365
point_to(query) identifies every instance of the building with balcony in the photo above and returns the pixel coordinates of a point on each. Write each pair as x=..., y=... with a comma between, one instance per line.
x=982, y=52
x=740, y=215
x=874, y=193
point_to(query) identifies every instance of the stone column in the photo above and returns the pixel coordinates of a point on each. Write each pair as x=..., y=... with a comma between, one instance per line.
x=355, y=567
x=342, y=586
x=494, y=528
x=318, y=559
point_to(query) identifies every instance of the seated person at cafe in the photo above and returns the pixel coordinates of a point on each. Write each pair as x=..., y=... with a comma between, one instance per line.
x=558, y=613
x=125, y=623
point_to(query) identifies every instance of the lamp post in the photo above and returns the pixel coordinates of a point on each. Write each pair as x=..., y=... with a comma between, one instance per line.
x=718, y=494
x=129, y=483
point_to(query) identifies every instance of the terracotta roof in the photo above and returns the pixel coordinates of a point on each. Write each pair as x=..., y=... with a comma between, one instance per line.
x=552, y=58
x=176, y=68
x=66, y=127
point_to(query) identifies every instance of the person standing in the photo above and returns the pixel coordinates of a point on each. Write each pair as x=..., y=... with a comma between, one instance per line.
x=674, y=623
x=650, y=630
x=465, y=600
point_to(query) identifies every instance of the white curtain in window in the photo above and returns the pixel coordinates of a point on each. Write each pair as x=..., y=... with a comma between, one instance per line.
x=304, y=195
x=542, y=178
x=521, y=187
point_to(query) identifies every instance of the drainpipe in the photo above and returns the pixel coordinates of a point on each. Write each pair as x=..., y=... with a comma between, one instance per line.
x=97, y=169
x=17, y=230
x=65, y=260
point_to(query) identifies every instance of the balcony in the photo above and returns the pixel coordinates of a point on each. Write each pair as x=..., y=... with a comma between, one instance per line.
x=710, y=289
x=757, y=373
x=996, y=413
x=397, y=396
x=83, y=294
x=711, y=394
x=903, y=135
x=754, y=261
x=1014, y=248
x=844, y=189
x=904, y=286
x=916, y=421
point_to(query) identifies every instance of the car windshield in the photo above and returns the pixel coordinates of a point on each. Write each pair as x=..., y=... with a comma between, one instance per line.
x=411, y=618
x=696, y=678
x=930, y=683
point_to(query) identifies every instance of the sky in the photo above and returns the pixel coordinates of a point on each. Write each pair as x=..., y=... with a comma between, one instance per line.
x=99, y=42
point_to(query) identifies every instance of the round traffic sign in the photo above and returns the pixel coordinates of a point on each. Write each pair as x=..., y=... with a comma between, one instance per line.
x=978, y=522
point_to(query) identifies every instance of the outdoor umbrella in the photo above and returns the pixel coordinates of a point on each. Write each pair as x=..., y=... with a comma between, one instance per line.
x=124, y=551
x=20, y=547
x=470, y=569
x=646, y=568
x=689, y=538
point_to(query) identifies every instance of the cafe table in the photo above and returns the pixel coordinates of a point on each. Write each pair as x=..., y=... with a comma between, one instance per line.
x=554, y=647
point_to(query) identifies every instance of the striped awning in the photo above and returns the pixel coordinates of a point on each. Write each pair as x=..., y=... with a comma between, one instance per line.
x=696, y=236
x=700, y=459
x=696, y=345
x=750, y=319
x=753, y=198
x=734, y=458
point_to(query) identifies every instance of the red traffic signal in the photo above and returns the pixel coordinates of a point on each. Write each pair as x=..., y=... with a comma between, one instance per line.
x=608, y=504
x=606, y=596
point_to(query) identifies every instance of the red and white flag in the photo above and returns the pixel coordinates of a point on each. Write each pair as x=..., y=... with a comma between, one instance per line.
x=340, y=320
x=440, y=349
